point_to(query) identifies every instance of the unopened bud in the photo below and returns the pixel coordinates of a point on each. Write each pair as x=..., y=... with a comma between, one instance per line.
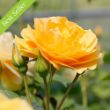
x=23, y=69
x=29, y=80
x=17, y=59
x=41, y=66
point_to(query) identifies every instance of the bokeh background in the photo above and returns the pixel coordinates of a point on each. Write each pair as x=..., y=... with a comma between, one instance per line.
x=92, y=91
x=87, y=13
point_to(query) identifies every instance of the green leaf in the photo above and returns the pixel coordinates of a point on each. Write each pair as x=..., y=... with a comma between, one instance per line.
x=64, y=76
x=36, y=102
x=80, y=107
x=89, y=1
x=98, y=106
x=8, y=93
x=35, y=4
x=61, y=79
x=36, y=106
x=68, y=103
x=106, y=58
x=102, y=89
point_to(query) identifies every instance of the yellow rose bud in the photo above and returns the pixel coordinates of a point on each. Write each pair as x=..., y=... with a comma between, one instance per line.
x=41, y=66
x=17, y=59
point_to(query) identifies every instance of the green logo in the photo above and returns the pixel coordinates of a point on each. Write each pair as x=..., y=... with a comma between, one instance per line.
x=14, y=13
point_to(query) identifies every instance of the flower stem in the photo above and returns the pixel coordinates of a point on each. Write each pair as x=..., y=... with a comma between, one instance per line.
x=84, y=98
x=67, y=92
x=83, y=83
x=27, y=90
x=46, y=93
x=52, y=72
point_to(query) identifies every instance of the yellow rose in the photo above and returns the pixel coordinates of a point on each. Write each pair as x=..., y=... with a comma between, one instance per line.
x=9, y=77
x=61, y=42
x=13, y=104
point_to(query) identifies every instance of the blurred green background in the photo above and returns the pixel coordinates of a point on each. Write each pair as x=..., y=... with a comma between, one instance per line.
x=90, y=14
x=87, y=13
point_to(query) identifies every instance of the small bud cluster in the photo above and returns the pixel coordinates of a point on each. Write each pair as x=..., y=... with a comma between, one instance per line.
x=19, y=61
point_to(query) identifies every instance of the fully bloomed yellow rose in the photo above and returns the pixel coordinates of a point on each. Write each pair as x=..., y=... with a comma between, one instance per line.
x=13, y=104
x=9, y=77
x=61, y=42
